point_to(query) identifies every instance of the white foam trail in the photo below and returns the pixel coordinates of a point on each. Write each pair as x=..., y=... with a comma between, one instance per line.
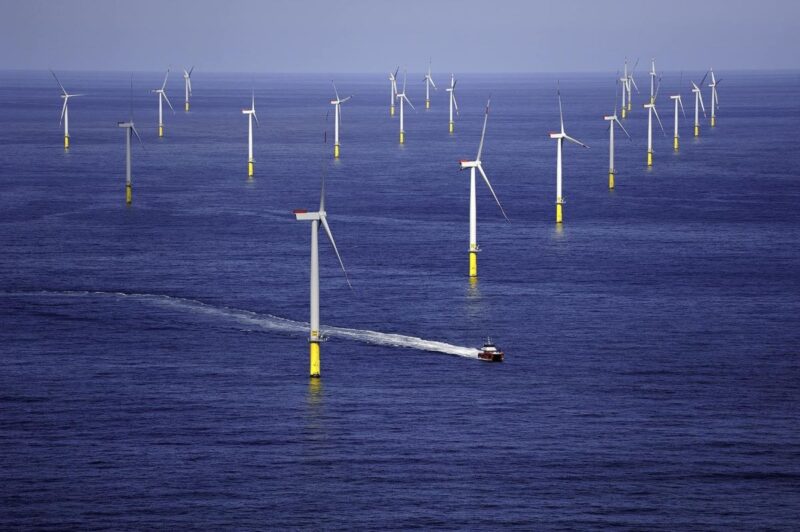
x=272, y=323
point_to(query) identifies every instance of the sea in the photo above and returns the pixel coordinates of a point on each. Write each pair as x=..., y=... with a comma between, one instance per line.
x=154, y=367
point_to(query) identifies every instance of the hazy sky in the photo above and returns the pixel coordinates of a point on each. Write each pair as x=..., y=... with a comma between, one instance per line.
x=374, y=35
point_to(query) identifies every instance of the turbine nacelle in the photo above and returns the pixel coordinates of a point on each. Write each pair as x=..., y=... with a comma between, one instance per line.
x=469, y=164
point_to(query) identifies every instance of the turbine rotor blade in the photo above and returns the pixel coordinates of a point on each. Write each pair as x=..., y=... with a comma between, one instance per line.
x=59, y=83
x=659, y=121
x=63, y=110
x=167, y=99
x=623, y=127
x=560, y=109
x=483, y=133
x=680, y=102
x=327, y=228
x=163, y=85
x=137, y=135
x=576, y=141
x=409, y=101
x=488, y=184
x=334, y=90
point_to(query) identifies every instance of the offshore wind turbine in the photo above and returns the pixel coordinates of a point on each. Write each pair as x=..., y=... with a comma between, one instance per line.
x=402, y=96
x=187, y=87
x=624, y=81
x=678, y=101
x=162, y=95
x=473, y=216
x=714, y=97
x=393, y=84
x=452, y=90
x=251, y=114
x=130, y=130
x=651, y=110
x=65, y=110
x=698, y=104
x=337, y=103
x=611, y=119
x=559, y=138
x=428, y=82
x=317, y=218
x=631, y=83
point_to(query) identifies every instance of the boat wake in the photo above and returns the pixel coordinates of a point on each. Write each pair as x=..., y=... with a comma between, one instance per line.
x=267, y=322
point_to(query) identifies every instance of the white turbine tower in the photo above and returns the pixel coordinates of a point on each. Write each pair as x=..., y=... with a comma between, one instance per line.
x=473, y=215
x=187, y=87
x=402, y=97
x=698, y=104
x=65, y=110
x=337, y=103
x=428, y=82
x=611, y=119
x=393, y=83
x=317, y=218
x=452, y=90
x=559, y=138
x=162, y=95
x=714, y=97
x=651, y=110
x=251, y=114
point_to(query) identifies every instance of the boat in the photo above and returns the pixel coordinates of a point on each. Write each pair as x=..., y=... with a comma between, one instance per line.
x=490, y=352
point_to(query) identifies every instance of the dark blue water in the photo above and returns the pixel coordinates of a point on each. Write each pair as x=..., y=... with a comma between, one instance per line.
x=154, y=359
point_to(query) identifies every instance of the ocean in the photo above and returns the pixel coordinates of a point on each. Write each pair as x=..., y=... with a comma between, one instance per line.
x=155, y=357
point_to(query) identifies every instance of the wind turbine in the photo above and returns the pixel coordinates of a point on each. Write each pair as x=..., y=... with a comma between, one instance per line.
x=187, y=87
x=337, y=119
x=393, y=83
x=678, y=101
x=162, y=95
x=453, y=103
x=402, y=96
x=428, y=82
x=129, y=130
x=559, y=138
x=317, y=218
x=698, y=104
x=625, y=82
x=251, y=114
x=651, y=110
x=65, y=110
x=632, y=83
x=473, y=216
x=611, y=120
x=714, y=97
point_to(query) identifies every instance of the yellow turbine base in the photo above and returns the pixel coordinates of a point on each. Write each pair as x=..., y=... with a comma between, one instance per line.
x=696, y=131
x=611, y=180
x=391, y=111
x=713, y=121
x=336, y=151
x=128, y=194
x=160, y=131
x=452, y=127
x=473, y=263
x=66, y=142
x=624, y=112
x=629, y=106
x=402, y=137
x=559, y=214
x=313, y=356
x=427, y=104
x=250, y=168
x=186, y=107
x=675, y=143
x=649, y=158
